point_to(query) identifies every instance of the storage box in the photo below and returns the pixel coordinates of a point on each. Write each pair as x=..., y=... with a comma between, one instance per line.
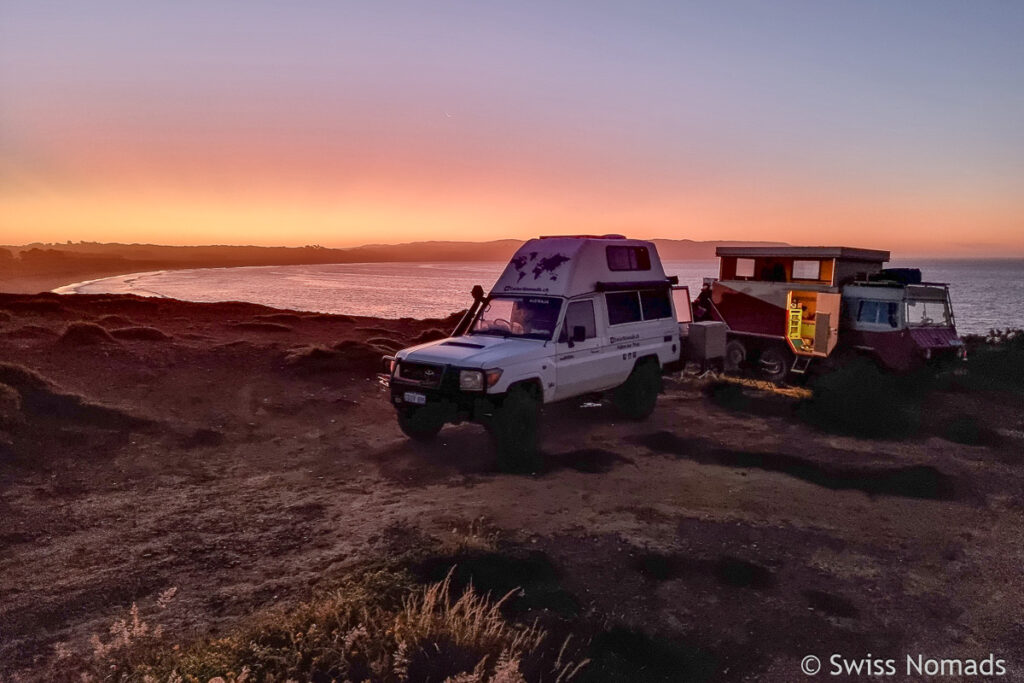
x=707, y=340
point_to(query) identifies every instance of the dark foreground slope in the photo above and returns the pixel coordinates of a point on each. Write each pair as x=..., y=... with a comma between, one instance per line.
x=244, y=460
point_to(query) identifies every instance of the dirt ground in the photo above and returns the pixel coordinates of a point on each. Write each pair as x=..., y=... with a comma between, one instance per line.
x=247, y=456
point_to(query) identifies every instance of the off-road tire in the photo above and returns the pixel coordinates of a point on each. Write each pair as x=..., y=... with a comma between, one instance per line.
x=735, y=355
x=774, y=363
x=515, y=428
x=420, y=423
x=638, y=395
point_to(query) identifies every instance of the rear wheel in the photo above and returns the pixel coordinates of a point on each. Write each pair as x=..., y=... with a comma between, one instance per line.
x=515, y=428
x=638, y=395
x=774, y=363
x=420, y=423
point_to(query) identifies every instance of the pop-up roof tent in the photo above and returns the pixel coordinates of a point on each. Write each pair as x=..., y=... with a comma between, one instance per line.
x=574, y=265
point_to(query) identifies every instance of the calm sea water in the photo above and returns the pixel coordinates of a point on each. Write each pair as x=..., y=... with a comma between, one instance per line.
x=985, y=294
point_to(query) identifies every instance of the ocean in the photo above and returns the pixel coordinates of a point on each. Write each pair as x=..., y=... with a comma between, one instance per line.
x=986, y=294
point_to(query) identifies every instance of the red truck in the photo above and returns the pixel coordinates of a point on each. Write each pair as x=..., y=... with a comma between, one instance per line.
x=789, y=307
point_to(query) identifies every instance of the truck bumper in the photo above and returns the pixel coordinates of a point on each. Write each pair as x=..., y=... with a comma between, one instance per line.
x=456, y=406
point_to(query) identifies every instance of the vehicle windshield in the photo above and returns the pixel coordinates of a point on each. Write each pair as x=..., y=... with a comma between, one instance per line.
x=530, y=317
x=928, y=312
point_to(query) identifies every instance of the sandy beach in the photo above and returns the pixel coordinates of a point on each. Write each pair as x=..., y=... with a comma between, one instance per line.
x=248, y=457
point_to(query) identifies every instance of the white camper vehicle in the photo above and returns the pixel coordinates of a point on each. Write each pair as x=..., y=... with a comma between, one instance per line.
x=569, y=316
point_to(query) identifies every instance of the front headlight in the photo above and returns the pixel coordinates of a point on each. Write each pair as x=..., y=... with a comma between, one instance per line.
x=471, y=380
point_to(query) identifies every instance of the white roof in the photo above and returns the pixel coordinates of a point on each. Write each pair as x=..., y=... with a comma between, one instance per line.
x=571, y=266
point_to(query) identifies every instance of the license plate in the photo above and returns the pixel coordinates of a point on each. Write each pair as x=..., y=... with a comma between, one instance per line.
x=415, y=397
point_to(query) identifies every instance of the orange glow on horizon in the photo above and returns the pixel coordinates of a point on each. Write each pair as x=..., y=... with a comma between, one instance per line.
x=902, y=225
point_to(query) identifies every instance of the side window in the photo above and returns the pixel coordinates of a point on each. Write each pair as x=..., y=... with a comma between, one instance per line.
x=878, y=312
x=655, y=304
x=744, y=267
x=806, y=270
x=867, y=311
x=623, y=307
x=628, y=258
x=579, y=314
x=892, y=314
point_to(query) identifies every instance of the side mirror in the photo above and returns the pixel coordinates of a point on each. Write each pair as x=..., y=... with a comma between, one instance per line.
x=579, y=333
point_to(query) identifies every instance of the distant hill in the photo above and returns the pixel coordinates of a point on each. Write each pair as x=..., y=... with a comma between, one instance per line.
x=38, y=266
x=225, y=255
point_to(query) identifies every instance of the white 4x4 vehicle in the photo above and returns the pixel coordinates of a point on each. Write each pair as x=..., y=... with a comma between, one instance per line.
x=569, y=316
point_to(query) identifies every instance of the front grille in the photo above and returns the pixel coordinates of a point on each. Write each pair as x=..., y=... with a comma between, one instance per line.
x=421, y=373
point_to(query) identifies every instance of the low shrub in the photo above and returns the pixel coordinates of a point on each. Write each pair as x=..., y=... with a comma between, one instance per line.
x=85, y=334
x=860, y=399
x=996, y=360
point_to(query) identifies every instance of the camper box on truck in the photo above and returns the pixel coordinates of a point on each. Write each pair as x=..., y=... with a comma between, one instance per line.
x=787, y=307
x=568, y=317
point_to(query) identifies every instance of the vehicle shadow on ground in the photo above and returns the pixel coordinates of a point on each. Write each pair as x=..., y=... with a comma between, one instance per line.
x=913, y=481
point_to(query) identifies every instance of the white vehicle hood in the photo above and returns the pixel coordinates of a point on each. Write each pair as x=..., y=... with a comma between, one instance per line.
x=475, y=351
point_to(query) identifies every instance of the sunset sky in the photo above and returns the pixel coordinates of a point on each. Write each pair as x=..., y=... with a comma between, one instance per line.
x=893, y=125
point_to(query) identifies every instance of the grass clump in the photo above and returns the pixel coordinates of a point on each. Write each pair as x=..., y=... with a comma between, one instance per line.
x=85, y=334
x=374, y=627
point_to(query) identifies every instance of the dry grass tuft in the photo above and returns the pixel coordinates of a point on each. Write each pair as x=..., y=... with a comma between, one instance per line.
x=85, y=334
x=374, y=628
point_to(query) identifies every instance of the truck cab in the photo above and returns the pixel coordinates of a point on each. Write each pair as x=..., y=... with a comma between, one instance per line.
x=569, y=316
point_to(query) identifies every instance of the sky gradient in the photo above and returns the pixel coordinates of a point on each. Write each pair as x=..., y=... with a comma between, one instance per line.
x=886, y=125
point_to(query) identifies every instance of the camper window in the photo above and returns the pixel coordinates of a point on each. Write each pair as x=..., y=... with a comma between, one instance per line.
x=628, y=258
x=623, y=307
x=806, y=270
x=744, y=267
x=655, y=304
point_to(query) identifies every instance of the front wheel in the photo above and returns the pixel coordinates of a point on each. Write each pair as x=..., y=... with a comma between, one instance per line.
x=515, y=428
x=638, y=395
x=420, y=423
x=735, y=355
